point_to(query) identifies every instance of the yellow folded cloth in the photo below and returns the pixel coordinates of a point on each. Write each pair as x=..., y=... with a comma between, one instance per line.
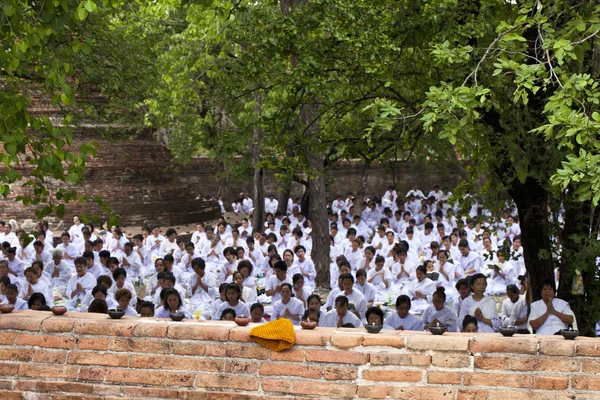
x=276, y=335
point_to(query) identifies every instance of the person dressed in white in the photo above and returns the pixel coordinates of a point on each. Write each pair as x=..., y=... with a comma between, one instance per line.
x=288, y=307
x=274, y=282
x=36, y=285
x=438, y=313
x=354, y=297
x=366, y=288
x=169, y=246
x=201, y=287
x=75, y=231
x=69, y=250
x=380, y=277
x=482, y=307
x=550, y=314
x=470, y=261
x=341, y=316
x=420, y=290
x=60, y=271
x=447, y=277
x=80, y=283
x=131, y=261
x=154, y=242
x=503, y=274
x=402, y=319
x=271, y=204
x=307, y=267
x=234, y=302
x=514, y=309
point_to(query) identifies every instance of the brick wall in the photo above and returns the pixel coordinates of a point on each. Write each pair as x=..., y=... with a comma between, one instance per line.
x=89, y=356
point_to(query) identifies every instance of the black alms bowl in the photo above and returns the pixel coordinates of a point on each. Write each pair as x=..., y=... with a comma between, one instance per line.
x=507, y=330
x=177, y=316
x=116, y=314
x=569, y=334
x=438, y=329
x=373, y=328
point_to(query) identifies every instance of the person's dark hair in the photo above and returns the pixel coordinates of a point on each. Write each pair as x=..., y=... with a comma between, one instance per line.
x=255, y=306
x=296, y=278
x=403, y=299
x=469, y=319
x=98, y=306
x=169, y=258
x=147, y=304
x=473, y=278
x=313, y=296
x=341, y=301
x=550, y=283
x=198, y=262
x=280, y=265
x=35, y=297
x=428, y=225
x=440, y=291
x=119, y=272
x=104, y=254
x=461, y=282
x=166, y=293
x=361, y=272
x=170, y=277
x=99, y=288
x=245, y=264
x=228, y=311
x=374, y=310
x=512, y=289
x=346, y=276
x=288, y=286
x=170, y=232
x=463, y=243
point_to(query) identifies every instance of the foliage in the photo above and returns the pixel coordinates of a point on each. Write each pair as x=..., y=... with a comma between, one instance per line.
x=40, y=41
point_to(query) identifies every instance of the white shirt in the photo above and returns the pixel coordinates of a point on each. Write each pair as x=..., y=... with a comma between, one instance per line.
x=552, y=324
x=295, y=307
x=330, y=319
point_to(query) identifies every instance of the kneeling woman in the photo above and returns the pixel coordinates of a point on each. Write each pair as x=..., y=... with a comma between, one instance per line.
x=402, y=319
x=439, y=313
x=550, y=314
x=482, y=307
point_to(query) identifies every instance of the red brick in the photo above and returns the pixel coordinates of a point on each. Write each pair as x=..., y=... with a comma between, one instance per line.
x=188, y=348
x=11, y=395
x=472, y=394
x=122, y=327
x=444, y=377
x=106, y=390
x=421, y=393
x=550, y=382
x=338, y=357
x=382, y=339
x=150, y=392
x=396, y=375
x=226, y=382
x=54, y=386
x=94, y=358
x=296, y=370
x=493, y=344
x=48, y=371
x=438, y=343
x=340, y=374
x=240, y=367
x=11, y=354
x=557, y=347
x=324, y=389
x=588, y=348
x=195, y=331
x=288, y=355
x=7, y=338
x=47, y=341
x=91, y=374
x=270, y=385
x=491, y=362
x=9, y=369
x=544, y=364
x=193, y=364
x=50, y=357
x=586, y=383
x=316, y=337
x=153, y=329
x=346, y=340
x=139, y=346
x=447, y=360
x=24, y=321
x=100, y=344
x=504, y=380
x=522, y=395
x=6, y=384
x=58, y=325
x=372, y=391
x=129, y=376
x=420, y=360
x=591, y=366
x=179, y=379
x=241, y=334
x=237, y=351
x=146, y=362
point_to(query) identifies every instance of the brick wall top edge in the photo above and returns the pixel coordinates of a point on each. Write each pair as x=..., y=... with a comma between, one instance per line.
x=102, y=325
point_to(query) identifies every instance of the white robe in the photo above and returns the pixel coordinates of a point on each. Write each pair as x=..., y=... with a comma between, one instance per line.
x=426, y=287
x=295, y=306
x=409, y=323
x=487, y=305
x=446, y=316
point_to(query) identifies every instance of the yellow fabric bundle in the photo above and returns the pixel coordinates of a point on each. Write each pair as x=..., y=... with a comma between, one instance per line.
x=276, y=335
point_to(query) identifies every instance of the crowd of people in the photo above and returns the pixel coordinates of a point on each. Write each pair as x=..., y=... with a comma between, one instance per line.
x=404, y=262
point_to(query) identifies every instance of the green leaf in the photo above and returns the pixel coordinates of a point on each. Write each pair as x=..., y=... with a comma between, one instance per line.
x=82, y=13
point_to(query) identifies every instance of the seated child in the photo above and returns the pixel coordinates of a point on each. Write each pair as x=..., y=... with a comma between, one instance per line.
x=402, y=319
x=35, y=285
x=121, y=282
x=340, y=316
x=233, y=295
x=374, y=316
x=439, y=313
x=171, y=302
x=11, y=292
x=470, y=324
x=37, y=301
x=257, y=312
x=288, y=307
x=228, y=314
x=146, y=309
x=123, y=297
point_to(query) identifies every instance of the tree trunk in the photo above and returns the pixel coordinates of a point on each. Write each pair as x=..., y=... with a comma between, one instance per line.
x=259, y=193
x=531, y=199
x=284, y=196
x=362, y=188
